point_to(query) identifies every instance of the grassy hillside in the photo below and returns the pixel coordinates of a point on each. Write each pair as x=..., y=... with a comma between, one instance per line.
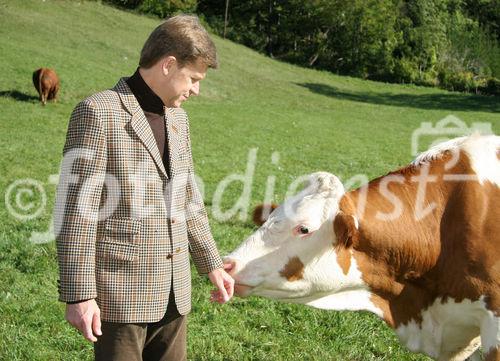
x=314, y=120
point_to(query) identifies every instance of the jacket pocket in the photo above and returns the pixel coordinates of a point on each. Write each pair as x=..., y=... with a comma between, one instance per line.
x=123, y=225
x=117, y=251
x=122, y=230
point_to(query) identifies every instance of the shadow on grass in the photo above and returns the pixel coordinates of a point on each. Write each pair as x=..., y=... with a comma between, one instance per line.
x=17, y=95
x=425, y=101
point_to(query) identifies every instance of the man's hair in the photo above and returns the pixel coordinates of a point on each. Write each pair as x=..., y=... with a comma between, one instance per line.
x=181, y=36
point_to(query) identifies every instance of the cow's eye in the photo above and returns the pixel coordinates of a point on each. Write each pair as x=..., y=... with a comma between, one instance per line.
x=302, y=230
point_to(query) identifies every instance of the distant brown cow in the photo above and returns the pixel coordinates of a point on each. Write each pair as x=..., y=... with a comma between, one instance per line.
x=46, y=83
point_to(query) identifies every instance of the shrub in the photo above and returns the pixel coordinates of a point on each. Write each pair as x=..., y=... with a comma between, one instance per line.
x=166, y=8
x=491, y=87
x=161, y=8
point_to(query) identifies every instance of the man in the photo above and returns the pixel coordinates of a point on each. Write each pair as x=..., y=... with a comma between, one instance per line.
x=128, y=210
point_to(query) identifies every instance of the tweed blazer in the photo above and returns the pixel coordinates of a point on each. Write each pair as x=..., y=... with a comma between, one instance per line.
x=124, y=228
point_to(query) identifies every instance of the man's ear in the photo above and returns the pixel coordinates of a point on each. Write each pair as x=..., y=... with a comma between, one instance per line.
x=167, y=63
x=346, y=230
x=261, y=213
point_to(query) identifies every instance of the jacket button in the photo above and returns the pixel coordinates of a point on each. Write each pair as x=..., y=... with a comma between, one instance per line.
x=169, y=256
x=178, y=250
x=173, y=220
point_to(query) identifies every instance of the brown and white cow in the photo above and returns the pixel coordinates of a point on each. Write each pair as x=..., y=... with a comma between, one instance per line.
x=420, y=247
x=46, y=83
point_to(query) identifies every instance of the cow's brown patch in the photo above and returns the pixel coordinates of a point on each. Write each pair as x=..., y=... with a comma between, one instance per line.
x=344, y=259
x=293, y=270
x=493, y=355
x=346, y=233
x=261, y=213
x=344, y=226
x=383, y=306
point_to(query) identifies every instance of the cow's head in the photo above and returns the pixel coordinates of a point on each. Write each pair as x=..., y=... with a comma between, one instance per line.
x=302, y=253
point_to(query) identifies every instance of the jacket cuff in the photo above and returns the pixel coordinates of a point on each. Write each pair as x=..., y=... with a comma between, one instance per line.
x=208, y=264
x=75, y=293
x=75, y=302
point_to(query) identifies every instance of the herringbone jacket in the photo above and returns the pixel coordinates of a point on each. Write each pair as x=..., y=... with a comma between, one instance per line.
x=123, y=227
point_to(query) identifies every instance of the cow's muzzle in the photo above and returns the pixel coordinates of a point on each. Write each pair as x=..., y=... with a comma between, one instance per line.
x=233, y=266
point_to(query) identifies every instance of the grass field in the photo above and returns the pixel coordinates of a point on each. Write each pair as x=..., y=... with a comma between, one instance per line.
x=314, y=120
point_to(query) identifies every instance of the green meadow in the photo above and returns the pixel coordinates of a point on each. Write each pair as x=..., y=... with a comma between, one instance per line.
x=295, y=120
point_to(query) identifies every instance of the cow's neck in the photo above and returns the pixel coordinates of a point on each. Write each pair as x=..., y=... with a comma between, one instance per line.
x=397, y=256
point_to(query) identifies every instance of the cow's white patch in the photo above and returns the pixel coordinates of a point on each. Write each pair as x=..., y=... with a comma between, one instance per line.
x=450, y=330
x=355, y=300
x=490, y=332
x=437, y=151
x=330, y=289
x=482, y=152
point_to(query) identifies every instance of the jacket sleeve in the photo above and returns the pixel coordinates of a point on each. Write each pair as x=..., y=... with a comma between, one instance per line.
x=201, y=243
x=77, y=203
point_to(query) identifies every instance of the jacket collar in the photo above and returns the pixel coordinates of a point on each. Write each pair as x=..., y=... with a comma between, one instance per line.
x=141, y=126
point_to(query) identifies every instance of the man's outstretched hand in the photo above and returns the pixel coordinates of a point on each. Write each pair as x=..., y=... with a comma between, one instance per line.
x=86, y=317
x=224, y=283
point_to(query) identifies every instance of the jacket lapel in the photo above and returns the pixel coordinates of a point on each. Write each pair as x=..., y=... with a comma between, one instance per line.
x=173, y=136
x=140, y=124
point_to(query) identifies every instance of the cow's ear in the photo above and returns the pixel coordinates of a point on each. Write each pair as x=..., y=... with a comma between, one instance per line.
x=261, y=213
x=346, y=230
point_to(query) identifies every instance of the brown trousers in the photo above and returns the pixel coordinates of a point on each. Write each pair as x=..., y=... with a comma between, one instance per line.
x=164, y=340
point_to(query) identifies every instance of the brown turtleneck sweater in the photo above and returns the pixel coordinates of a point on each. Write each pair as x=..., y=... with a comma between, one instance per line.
x=154, y=111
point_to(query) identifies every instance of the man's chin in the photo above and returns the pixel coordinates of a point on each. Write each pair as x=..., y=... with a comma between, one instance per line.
x=178, y=103
x=175, y=104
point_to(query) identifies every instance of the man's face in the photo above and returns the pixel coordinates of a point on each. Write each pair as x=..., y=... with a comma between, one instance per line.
x=179, y=83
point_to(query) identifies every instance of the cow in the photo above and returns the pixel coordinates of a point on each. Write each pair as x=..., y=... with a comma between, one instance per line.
x=419, y=247
x=46, y=83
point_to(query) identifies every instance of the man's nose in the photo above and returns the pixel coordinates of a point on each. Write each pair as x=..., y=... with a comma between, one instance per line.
x=195, y=89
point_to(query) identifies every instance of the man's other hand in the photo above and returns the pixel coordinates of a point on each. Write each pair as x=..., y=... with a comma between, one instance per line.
x=224, y=283
x=86, y=317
